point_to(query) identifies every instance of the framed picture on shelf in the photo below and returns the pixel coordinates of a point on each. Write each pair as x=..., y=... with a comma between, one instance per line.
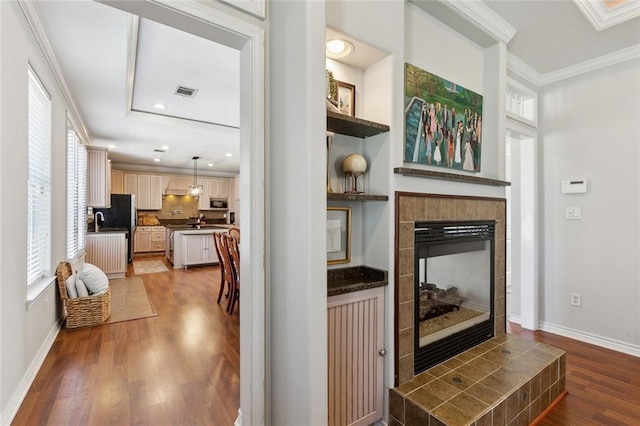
x=338, y=235
x=346, y=97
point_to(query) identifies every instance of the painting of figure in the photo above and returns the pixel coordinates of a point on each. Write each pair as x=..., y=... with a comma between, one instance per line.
x=443, y=122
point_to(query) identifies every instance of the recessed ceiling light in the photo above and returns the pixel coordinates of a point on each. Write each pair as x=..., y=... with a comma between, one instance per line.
x=165, y=147
x=210, y=164
x=157, y=160
x=111, y=146
x=339, y=48
x=228, y=154
x=160, y=106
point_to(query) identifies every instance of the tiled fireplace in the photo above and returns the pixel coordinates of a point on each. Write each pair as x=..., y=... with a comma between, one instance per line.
x=412, y=208
x=489, y=377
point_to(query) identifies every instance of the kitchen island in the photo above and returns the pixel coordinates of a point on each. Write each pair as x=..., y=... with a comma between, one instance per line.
x=192, y=246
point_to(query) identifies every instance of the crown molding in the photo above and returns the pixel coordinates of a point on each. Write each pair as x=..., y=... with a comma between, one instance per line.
x=31, y=14
x=519, y=67
x=484, y=17
x=601, y=17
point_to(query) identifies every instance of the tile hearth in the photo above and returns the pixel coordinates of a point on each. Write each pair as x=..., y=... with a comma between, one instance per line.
x=507, y=380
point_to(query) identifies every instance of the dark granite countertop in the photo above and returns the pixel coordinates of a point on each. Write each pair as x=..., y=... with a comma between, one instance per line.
x=354, y=278
x=195, y=227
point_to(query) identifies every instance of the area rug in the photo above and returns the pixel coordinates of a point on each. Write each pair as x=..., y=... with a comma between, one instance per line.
x=129, y=300
x=149, y=267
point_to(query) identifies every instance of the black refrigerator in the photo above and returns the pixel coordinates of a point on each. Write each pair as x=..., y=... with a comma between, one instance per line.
x=121, y=214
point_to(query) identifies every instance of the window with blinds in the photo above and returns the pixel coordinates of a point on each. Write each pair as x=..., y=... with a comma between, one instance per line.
x=39, y=182
x=76, y=194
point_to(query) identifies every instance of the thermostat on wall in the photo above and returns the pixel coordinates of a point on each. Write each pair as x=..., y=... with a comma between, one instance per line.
x=574, y=186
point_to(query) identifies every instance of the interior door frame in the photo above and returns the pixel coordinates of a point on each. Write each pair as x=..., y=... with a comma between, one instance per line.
x=211, y=22
x=527, y=275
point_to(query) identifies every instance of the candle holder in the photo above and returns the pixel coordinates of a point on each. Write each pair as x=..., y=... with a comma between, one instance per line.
x=329, y=142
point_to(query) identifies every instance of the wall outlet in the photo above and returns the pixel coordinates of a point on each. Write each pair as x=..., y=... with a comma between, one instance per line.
x=576, y=299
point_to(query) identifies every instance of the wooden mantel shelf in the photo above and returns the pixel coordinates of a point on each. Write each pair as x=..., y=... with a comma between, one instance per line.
x=356, y=197
x=430, y=174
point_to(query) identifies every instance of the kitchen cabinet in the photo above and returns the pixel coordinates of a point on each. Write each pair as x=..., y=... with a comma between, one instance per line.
x=219, y=188
x=117, y=182
x=356, y=357
x=198, y=249
x=149, y=239
x=98, y=177
x=130, y=184
x=194, y=247
x=203, y=200
x=108, y=251
x=149, y=192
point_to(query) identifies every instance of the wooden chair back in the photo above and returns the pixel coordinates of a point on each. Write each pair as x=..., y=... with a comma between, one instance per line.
x=232, y=244
x=235, y=232
x=226, y=270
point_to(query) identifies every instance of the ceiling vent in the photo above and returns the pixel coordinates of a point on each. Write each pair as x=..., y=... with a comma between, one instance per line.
x=185, y=91
x=159, y=150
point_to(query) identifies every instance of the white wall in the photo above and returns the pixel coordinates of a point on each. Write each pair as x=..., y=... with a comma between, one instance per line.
x=438, y=49
x=297, y=243
x=25, y=334
x=589, y=128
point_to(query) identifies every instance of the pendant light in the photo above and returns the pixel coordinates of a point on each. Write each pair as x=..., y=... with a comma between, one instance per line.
x=195, y=190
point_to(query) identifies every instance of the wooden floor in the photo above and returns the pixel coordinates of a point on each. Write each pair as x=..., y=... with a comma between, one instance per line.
x=603, y=385
x=180, y=367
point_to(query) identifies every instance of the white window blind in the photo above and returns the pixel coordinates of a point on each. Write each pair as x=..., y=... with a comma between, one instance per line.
x=76, y=195
x=39, y=182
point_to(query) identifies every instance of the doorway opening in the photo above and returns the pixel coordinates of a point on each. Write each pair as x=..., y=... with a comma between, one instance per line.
x=522, y=279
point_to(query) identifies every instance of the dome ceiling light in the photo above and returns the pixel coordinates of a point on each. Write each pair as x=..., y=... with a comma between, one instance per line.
x=338, y=48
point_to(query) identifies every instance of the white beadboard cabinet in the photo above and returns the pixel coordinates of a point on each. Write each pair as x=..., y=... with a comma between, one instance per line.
x=149, y=192
x=108, y=251
x=356, y=357
x=98, y=177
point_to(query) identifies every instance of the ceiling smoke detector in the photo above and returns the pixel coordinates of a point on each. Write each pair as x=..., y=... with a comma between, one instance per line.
x=185, y=91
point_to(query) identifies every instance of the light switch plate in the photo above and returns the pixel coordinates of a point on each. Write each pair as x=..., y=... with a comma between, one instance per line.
x=573, y=213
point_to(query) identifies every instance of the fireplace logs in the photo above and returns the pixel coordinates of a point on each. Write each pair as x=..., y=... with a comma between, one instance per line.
x=435, y=301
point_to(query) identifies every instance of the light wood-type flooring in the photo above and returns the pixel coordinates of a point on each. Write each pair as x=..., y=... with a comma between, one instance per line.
x=181, y=367
x=603, y=385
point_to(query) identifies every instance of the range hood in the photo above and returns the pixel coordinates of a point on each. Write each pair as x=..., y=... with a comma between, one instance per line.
x=178, y=186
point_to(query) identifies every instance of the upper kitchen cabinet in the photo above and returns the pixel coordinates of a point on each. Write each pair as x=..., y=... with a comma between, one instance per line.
x=130, y=184
x=98, y=177
x=203, y=200
x=219, y=188
x=117, y=182
x=149, y=192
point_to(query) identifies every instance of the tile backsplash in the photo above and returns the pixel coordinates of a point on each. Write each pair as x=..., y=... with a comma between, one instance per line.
x=181, y=207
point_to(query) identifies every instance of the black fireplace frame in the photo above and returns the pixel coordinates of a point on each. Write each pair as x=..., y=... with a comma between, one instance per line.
x=446, y=232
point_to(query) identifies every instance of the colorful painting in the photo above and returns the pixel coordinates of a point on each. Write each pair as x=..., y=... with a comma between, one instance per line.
x=443, y=122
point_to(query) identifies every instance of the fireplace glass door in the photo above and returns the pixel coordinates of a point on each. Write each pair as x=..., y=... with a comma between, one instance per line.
x=453, y=288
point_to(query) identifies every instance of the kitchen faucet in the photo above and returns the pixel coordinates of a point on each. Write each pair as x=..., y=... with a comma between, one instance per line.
x=95, y=220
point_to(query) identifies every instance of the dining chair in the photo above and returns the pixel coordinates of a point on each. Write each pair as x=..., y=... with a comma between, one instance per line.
x=235, y=232
x=232, y=244
x=226, y=272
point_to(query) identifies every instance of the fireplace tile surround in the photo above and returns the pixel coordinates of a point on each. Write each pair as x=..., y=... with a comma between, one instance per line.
x=412, y=207
x=505, y=380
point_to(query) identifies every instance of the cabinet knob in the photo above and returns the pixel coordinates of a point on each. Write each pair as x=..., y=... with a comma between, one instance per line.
x=382, y=352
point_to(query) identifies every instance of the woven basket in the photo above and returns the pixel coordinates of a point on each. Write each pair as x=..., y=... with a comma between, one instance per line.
x=82, y=311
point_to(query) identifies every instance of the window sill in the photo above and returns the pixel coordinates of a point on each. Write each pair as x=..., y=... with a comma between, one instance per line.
x=35, y=292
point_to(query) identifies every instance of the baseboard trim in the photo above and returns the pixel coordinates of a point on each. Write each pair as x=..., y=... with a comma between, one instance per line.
x=18, y=396
x=593, y=339
x=515, y=319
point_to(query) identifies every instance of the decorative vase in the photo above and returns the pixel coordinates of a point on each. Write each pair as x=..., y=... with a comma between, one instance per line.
x=354, y=165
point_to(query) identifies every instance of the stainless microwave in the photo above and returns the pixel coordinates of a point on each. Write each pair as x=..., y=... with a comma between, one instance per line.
x=217, y=203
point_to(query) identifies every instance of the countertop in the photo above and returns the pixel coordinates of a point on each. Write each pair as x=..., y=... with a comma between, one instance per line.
x=354, y=278
x=108, y=231
x=195, y=228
